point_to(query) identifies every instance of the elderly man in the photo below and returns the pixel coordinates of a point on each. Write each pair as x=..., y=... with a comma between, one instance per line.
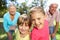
x=52, y=15
x=10, y=20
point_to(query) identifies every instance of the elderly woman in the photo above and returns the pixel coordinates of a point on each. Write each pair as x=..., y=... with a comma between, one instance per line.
x=10, y=20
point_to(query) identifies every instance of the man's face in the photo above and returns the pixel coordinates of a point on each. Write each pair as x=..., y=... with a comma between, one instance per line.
x=12, y=10
x=38, y=19
x=53, y=8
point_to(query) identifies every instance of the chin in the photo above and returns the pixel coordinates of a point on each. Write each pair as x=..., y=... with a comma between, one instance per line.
x=12, y=14
x=23, y=33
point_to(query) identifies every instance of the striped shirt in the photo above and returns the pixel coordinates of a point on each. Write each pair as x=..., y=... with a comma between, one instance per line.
x=52, y=18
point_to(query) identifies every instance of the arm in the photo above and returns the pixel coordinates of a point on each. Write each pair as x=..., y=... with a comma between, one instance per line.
x=6, y=28
x=5, y=24
x=56, y=27
x=57, y=23
x=9, y=36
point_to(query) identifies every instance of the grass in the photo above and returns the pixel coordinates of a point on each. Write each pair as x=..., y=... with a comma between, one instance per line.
x=3, y=35
x=58, y=36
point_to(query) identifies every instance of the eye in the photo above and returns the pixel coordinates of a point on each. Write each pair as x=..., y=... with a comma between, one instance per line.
x=21, y=24
x=26, y=25
x=38, y=18
x=33, y=19
x=19, y=27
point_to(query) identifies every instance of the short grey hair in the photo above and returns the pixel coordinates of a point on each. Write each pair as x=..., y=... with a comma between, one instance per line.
x=53, y=4
x=11, y=5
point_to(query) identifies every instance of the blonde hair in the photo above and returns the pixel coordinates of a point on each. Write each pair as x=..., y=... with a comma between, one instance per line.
x=23, y=19
x=37, y=9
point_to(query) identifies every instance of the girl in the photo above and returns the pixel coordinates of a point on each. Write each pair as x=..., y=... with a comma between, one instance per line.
x=40, y=30
x=22, y=33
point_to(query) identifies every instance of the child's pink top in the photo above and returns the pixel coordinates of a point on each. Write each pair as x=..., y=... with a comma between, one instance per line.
x=40, y=34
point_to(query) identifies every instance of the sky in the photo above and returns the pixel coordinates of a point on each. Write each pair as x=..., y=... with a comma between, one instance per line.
x=46, y=5
x=20, y=1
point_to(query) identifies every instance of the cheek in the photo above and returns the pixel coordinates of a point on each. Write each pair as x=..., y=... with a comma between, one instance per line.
x=20, y=28
x=27, y=28
x=12, y=10
x=33, y=22
x=42, y=20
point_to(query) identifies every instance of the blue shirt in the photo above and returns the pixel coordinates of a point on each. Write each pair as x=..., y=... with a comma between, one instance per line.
x=7, y=23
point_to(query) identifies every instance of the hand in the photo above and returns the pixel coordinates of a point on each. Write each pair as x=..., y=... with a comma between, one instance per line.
x=53, y=35
x=12, y=28
x=9, y=36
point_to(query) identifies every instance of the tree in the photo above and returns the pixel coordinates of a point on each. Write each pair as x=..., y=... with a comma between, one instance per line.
x=2, y=7
x=41, y=3
x=35, y=3
x=23, y=8
x=2, y=4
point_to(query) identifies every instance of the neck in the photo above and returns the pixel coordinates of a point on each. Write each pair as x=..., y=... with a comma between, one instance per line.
x=23, y=35
x=12, y=14
x=41, y=25
x=12, y=17
x=50, y=12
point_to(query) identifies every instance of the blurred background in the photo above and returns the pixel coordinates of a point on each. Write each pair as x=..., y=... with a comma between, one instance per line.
x=23, y=6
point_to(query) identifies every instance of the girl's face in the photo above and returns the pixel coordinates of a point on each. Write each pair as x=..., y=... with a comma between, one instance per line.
x=37, y=18
x=24, y=28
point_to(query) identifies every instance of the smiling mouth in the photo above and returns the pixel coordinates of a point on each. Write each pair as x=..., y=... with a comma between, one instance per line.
x=22, y=30
x=38, y=24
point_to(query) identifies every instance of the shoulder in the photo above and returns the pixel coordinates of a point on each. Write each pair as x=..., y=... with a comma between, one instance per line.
x=34, y=30
x=5, y=15
x=46, y=23
x=16, y=30
x=47, y=12
x=28, y=37
x=17, y=13
x=56, y=13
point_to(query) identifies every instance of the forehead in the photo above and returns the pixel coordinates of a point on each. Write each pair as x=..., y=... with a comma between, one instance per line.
x=53, y=5
x=37, y=14
x=11, y=7
x=23, y=21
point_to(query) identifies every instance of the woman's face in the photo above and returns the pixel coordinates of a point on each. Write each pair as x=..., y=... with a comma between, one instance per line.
x=23, y=28
x=12, y=10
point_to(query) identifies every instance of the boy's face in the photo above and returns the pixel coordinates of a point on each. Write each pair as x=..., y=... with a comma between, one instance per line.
x=38, y=19
x=24, y=28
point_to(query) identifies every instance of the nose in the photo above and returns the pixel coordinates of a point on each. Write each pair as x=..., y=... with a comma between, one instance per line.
x=36, y=22
x=23, y=27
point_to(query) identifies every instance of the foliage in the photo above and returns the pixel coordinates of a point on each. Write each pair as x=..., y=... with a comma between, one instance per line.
x=23, y=8
x=2, y=7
